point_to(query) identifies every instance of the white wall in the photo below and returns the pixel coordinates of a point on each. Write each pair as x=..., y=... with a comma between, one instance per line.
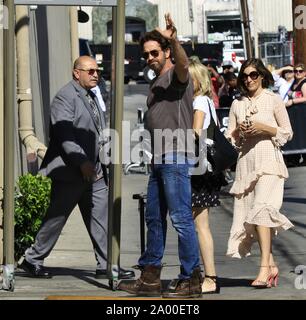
x=265, y=15
x=179, y=13
x=85, y=29
x=268, y=15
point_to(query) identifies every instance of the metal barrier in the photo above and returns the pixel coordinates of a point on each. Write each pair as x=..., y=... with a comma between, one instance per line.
x=276, y=53
x=141, y=197
x=143, y=166
x=297, y=116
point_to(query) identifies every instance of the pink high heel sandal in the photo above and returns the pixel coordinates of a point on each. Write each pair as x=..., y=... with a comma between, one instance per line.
x=259, y=284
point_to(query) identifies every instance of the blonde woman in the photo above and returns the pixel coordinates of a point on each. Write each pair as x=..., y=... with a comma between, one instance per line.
x=206, y=187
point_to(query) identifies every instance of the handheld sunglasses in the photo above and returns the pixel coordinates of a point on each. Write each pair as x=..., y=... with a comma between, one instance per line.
x=298, y=70
x=153, y=53
x=253, y=75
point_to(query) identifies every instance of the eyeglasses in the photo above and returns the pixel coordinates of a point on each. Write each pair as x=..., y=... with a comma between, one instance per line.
x=298, y=71
x=91, y=72
x=153, y=53
x=288, y=71
x=253, y=75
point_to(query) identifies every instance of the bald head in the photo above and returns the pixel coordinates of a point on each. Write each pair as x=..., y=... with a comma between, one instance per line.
x=85, y=72
x=81, y=61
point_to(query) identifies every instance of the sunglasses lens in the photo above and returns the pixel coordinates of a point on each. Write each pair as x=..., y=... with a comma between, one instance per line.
x=153, y=53
x=244, y=77
x=92, y=71
x=298, y=71
x=254, y=75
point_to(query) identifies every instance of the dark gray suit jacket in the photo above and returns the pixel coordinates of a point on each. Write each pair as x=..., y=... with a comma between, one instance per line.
x=74, y=135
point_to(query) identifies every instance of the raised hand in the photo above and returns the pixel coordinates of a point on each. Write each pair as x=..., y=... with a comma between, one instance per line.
x=170, y=32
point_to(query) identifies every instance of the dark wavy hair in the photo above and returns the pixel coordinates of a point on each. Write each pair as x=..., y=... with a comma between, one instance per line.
x=155, y=36
x=260, y=68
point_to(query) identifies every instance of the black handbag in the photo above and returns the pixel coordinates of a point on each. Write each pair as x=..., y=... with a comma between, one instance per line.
x=221, y=154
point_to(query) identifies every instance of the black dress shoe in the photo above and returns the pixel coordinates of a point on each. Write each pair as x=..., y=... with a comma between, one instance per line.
x=35, y=271
x=123, y=274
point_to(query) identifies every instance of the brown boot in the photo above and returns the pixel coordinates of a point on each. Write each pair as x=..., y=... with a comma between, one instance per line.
x=185, y=288
x=148, y=284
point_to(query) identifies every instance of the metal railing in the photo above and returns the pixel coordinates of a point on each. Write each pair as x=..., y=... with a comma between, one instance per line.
x=276, y=53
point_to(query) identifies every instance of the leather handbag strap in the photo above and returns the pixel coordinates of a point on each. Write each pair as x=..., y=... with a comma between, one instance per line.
x=212, y=124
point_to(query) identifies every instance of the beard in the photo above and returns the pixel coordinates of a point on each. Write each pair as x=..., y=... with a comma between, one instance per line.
x=157, y=66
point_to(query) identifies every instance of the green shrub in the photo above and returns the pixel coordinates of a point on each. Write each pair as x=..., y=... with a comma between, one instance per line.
x=32, y=199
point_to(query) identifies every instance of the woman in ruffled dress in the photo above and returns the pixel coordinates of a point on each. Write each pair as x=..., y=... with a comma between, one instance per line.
x=258, y=125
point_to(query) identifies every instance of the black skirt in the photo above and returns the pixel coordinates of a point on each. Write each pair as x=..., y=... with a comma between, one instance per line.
x=206, y=189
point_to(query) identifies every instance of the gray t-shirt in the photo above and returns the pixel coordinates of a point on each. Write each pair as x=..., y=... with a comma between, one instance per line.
x=170, y=113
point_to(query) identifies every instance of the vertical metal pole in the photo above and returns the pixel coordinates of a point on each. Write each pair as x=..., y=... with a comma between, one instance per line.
x=9, y=148
x=2, y=21
x=114, y=214
x=192, y=40
x=246, y=27
x=299, y=30
x=142, y=224
x=74, y=33
x=191, y=19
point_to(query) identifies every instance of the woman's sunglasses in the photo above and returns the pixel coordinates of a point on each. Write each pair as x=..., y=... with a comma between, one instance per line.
x=253, y=75
x=298, y=71
x=287, y=71
x=153, y=53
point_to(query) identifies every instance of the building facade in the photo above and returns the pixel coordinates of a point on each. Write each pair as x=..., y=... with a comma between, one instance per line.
x=265, y=15
x=204, y=21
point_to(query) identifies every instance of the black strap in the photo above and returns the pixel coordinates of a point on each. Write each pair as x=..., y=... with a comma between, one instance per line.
x=212, y=124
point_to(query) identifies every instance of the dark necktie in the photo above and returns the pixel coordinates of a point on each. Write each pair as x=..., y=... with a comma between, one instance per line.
x=95, y=110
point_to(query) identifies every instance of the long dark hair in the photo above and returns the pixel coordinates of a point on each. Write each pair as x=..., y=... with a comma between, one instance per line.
x=260, y=68
x=155, y=36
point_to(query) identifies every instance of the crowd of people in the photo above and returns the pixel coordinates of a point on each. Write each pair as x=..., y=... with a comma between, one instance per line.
x=184, y=95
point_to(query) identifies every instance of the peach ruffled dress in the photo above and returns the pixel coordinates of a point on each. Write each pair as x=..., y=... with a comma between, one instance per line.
x=258, y=188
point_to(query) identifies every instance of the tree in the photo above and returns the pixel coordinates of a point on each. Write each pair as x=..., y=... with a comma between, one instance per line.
x=299, y=30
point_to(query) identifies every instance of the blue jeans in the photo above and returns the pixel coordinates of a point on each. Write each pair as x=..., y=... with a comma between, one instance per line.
x=169, y=189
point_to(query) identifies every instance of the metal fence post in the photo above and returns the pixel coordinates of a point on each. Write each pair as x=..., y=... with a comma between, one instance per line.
x=9, y=138
x=117, y=93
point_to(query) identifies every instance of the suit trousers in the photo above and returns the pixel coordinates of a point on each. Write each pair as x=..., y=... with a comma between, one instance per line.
x=92, y=199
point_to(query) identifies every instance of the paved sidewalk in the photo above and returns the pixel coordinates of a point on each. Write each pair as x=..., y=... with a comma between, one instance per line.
x=73, y=265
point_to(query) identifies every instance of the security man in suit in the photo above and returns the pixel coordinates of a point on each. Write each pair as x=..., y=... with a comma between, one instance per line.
x=78, y=176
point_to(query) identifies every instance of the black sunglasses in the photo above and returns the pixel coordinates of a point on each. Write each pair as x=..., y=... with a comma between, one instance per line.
x=153, y=53
x=253, y=75
x=288, y=71
x=298, y=71
x=91, y=72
